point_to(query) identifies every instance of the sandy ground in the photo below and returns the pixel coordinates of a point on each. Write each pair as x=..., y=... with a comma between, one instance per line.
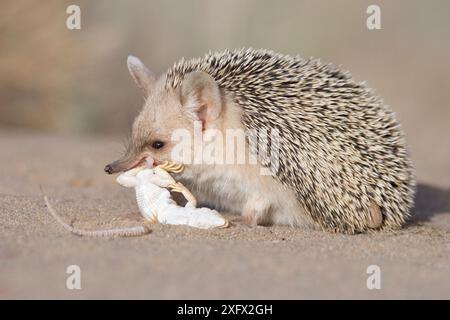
x=179, y=262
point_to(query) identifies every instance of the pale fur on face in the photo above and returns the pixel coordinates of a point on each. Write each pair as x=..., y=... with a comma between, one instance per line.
x=161, y=115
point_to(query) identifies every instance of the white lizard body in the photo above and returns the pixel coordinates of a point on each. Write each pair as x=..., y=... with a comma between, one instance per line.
x=155, y=202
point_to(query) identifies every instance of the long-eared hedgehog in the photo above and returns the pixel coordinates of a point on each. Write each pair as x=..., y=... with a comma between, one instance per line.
x=342, y=153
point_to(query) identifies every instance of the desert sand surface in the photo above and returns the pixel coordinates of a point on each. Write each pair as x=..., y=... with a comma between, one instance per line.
x=184, y=263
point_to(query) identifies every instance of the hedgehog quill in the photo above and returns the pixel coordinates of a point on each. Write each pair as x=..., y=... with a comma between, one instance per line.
x=343, y=160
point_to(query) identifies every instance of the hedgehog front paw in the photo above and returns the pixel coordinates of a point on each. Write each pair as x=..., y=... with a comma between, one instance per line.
x=255, y=210
x=242, y=221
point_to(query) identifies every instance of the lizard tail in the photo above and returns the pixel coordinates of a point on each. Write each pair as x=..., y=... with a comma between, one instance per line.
x=119, y=232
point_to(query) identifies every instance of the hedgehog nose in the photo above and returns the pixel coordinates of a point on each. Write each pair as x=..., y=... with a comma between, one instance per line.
x=108, y=169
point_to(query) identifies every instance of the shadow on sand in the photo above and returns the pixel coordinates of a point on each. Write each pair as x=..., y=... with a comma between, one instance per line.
x=429, y=202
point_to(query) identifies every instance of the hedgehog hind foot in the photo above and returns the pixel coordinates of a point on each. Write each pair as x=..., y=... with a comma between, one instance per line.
x=375, y=219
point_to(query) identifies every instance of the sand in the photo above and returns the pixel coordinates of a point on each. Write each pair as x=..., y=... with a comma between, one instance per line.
x=184, y=263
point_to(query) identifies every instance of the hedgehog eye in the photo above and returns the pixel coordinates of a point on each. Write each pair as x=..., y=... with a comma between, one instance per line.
x=157, y=145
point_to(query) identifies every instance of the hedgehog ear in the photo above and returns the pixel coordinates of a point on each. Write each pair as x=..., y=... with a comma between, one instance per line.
x=143, y=77
x=200, y=95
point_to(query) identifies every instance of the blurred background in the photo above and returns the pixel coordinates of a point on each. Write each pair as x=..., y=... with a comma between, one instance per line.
x=62, y=81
